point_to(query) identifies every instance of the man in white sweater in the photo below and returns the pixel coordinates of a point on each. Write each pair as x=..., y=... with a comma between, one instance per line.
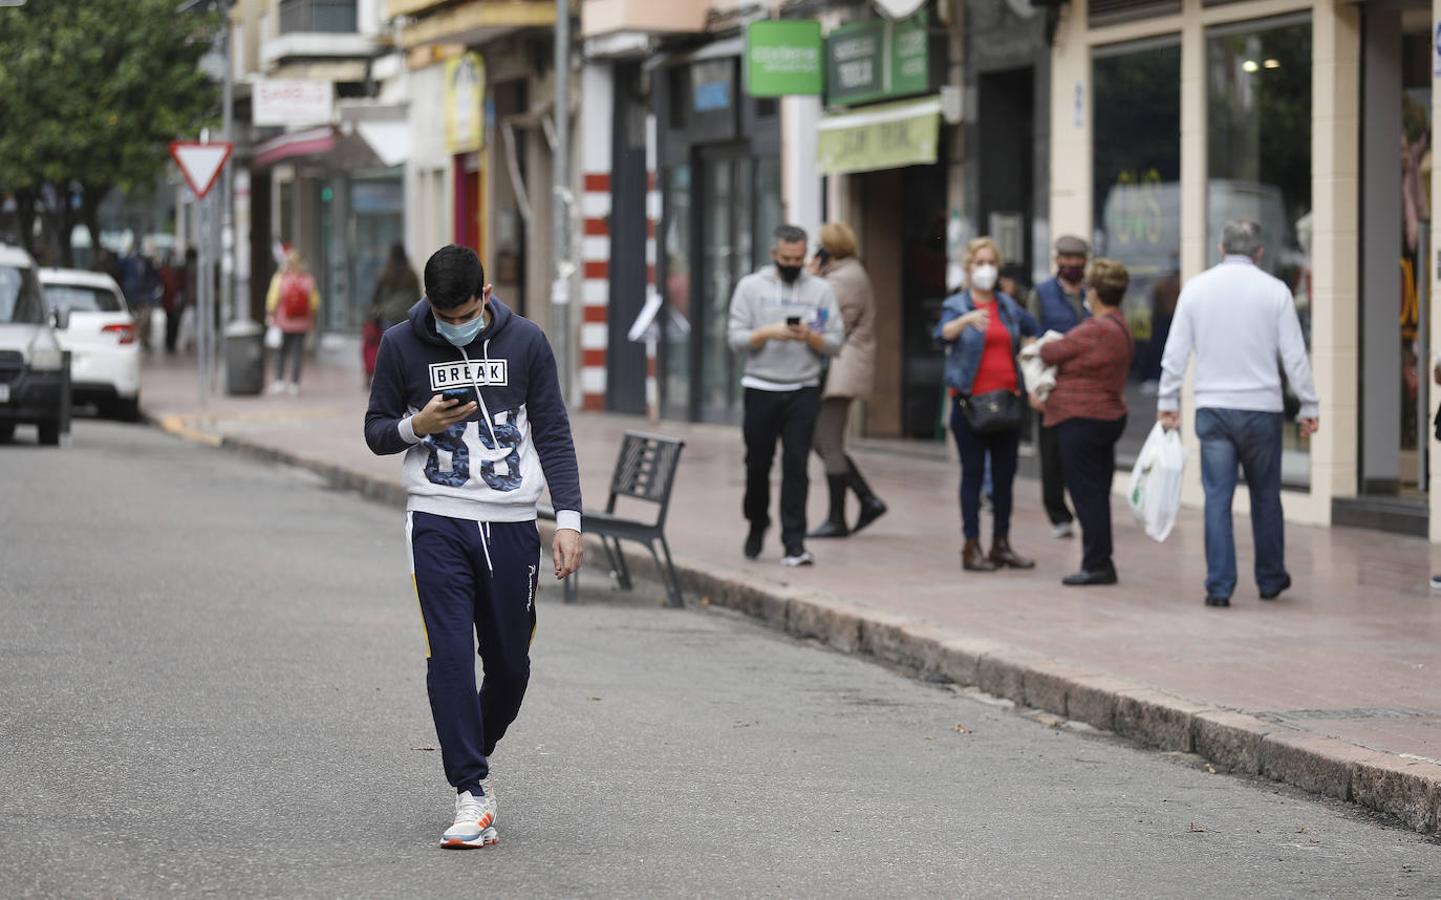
x=1242, y=325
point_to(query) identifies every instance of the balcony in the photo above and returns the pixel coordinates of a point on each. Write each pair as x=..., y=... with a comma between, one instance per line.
x=318, y=17
x=470, y=22
x=599, y=18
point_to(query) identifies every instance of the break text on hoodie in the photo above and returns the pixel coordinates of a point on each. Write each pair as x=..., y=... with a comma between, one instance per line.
x=493, y=465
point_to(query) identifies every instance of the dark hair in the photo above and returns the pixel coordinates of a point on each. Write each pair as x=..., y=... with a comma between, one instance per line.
x=790, y=234
x=453, y=275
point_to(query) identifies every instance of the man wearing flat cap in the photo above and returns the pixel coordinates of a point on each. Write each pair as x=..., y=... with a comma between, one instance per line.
x=1060, y=305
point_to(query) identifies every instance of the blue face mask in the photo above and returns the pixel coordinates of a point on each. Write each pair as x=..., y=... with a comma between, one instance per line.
x=461, y=335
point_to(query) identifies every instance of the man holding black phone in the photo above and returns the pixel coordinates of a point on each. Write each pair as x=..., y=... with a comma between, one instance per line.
x=785, y=322
x=468, y=391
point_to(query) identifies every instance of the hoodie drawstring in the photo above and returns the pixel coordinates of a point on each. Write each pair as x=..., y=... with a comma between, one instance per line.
x=484, y=410
x=485, y=544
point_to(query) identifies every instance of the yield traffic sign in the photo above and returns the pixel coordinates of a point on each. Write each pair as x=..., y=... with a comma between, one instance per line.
x=200, y=163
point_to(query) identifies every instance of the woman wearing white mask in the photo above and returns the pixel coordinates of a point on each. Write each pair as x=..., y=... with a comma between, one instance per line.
x=982, y=329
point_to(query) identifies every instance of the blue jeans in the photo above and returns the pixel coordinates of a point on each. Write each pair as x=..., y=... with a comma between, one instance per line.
x=1232, y=438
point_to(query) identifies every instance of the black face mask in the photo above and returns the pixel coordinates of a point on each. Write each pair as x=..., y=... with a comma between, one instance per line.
x=1073, y=274
x=788, y=273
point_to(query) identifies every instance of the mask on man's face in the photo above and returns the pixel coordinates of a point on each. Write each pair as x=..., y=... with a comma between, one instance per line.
x=461, y=335
x=788, y=273
x=1073, y=274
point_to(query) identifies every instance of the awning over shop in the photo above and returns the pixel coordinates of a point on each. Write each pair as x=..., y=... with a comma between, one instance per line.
x=311, y=142
x=389, y=140
x=884, y=136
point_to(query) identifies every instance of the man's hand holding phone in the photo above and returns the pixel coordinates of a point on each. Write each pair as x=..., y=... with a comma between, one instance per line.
x=440, y=413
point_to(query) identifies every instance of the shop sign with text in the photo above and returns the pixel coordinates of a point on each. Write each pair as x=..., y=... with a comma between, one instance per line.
x=878, y=60
x=783, y=58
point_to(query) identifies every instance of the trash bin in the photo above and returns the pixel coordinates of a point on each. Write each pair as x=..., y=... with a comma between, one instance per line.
x=244, y=358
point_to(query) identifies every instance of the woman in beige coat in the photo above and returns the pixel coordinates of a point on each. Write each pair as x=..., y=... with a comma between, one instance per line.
x=851, y=375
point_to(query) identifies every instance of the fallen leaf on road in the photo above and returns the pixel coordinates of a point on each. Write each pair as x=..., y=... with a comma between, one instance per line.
x=426, y=749
x=1210, y=769
x=1193, y=828
x=958, y=728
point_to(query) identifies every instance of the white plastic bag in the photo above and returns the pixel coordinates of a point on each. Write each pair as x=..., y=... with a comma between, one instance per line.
x=273, y=338
x=1155, y=492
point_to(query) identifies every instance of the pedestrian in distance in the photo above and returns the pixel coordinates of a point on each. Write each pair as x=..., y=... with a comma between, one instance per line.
x=1238, y=321
x=468, y=391
x=291, y=304
x=1086, y=410
x=396, y=291
x=1059, y=304
x=784, y=322
x=982, y=329
x=849, y=376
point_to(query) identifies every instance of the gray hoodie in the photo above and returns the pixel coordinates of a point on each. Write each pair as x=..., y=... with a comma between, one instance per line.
x=763, y=299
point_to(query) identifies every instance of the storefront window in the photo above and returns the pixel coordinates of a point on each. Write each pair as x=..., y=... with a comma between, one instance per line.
x=1137, y=171
x=1258, y=121
x=676, y=323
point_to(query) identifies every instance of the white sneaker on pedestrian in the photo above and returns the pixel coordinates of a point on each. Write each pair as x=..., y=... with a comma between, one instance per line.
x=1436, y=582
x=276, y=387
x=474, y=823
x=1062, y=530
x=803, y=558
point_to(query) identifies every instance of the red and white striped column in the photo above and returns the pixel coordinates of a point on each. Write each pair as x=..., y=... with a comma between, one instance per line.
x=594, y=288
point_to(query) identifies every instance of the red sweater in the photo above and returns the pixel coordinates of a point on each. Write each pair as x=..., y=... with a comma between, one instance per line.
x=1091, y=364
x=997, y=371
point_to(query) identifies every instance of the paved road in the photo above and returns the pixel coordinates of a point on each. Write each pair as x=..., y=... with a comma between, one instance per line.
x=211, y=681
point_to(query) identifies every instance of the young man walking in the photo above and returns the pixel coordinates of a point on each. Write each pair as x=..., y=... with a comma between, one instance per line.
x=1239, y=321
x=784, y=321
x=468, y=391
x=1059, y=304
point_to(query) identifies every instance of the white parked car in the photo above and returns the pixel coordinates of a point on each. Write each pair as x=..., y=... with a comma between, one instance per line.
x=32, y=365
x=94, y=323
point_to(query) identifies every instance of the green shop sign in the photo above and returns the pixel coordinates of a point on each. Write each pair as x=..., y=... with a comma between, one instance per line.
x=878, y=60
x=783, y=58
x=884, y=136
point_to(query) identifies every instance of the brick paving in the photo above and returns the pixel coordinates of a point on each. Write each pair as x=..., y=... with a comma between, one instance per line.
x=1351, y=653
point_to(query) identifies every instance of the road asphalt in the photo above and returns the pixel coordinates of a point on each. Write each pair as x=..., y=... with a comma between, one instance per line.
x=212, y=682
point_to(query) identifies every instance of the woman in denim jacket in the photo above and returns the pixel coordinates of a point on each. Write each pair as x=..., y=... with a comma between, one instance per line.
x=983, y=329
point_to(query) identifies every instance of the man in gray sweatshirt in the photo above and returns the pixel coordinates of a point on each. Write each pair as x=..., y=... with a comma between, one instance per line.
x=784, y=322
x=1242, y=325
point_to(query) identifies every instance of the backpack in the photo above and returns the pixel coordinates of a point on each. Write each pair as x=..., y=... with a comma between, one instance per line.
x=295, y=296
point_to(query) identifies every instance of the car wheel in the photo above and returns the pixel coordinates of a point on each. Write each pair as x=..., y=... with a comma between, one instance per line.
x=126, y=409
x=7, y=432
x=49, y=434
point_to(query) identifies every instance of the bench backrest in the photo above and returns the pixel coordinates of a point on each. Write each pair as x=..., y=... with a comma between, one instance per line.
x=645, y=470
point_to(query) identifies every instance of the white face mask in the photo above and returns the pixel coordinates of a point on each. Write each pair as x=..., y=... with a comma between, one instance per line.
x=983, y=277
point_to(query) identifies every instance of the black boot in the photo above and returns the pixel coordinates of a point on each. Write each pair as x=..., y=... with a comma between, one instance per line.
x=871, y=506
x=835, y=524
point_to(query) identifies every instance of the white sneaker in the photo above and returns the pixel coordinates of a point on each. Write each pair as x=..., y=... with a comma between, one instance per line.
x=803, y=558
x=1436, y=582
x=474, y=823
x=1062, y=530
x=276, y=387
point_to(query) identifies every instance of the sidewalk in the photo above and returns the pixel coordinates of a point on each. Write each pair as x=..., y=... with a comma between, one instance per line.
x=1336, y=687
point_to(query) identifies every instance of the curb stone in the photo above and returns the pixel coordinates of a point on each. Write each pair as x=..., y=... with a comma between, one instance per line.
x=1407, y=789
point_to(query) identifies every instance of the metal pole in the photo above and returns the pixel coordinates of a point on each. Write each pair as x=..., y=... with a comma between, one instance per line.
x=227, y=216
x=560, y=201
x=202, y=295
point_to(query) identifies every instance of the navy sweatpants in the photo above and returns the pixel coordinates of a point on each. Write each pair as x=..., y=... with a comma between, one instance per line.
x=476, y=585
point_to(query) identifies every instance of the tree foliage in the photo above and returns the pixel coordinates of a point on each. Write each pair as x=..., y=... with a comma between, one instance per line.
x=90, y=95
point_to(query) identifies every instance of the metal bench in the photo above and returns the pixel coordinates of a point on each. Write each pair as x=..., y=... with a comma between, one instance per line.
x=645, y=471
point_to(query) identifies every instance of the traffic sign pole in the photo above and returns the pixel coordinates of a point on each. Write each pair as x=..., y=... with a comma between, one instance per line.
x=201, y=162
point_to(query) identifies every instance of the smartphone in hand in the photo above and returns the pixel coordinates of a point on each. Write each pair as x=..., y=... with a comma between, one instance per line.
x=461, y=396
x=793, y=321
